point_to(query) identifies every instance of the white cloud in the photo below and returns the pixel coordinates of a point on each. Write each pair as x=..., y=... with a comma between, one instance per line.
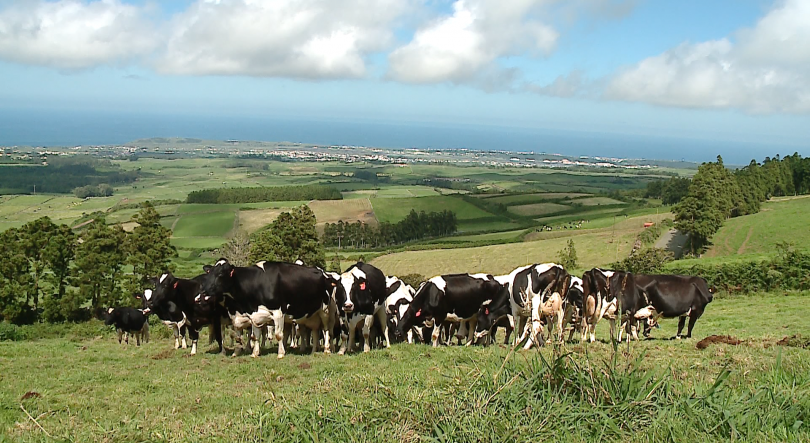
x=280, y=38
x=461, y=46
x=767, y=69
x=71, y=34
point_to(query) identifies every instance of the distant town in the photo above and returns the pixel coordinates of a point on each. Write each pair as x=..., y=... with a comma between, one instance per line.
x=285, y=151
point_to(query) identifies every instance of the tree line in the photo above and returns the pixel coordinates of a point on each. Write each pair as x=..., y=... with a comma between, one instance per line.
x=264, y=194
x=49, y=272
x=717, y=193
x=415, y=226
x=62, y=175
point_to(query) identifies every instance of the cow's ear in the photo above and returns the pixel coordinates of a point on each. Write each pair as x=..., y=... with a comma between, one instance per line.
x=362, y=282
x=207, y=268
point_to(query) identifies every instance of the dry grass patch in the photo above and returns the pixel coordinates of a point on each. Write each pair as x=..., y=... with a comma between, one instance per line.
x=352, y=210
x=253, y=220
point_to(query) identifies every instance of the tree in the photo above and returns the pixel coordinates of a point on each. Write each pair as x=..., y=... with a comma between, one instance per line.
x=334, y=264
x=698, y=218
x=148, y=247
x=290, y=237
x=237, y=249
x=568, y=255
x=58, y=255
x=14, y=279
x=99, y=262
x=33, y=239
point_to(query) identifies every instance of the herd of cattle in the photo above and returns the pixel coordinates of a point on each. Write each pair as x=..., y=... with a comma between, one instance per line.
x=290, y=301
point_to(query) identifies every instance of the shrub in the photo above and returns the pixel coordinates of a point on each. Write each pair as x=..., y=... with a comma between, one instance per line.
x=11, y=332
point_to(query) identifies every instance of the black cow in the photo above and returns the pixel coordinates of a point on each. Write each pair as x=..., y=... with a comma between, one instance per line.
x=128, y=321
x=675, y=296
x=269, y=291
x=364, y=288
x=175, y=296
x=458, y=295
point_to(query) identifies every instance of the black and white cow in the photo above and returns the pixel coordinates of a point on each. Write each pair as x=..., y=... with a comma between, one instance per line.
x=675, y=296
x=172, y=294
x=170, y=314
x=128, y=321
x=365, y=291
x=268, y=292
x=604, y=292
x=573, y=307
x=399, y=296
x=531, y=293
x=458, y=295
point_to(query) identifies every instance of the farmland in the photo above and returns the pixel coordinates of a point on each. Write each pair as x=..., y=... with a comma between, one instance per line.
x=85, y=387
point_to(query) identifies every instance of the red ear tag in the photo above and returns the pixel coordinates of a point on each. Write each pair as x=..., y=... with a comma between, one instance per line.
x=486, y=311
x=363, y=286
x=418, y=313
x=175, y=284
x=232, y=272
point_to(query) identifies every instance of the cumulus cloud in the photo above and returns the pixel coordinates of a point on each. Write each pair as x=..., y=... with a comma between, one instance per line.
x=460, y=47
x=764, y=70
x=70, y=34
x=280, y=38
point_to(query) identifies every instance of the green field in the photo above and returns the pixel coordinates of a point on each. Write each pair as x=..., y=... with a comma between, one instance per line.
x=83, y=386
x=394, y=210
x=538, y=209
x=780, y=220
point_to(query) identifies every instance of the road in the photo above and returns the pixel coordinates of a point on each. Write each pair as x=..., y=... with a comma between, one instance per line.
x=674, y=241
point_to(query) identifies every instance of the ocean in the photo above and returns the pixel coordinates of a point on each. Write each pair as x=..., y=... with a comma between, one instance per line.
x=72, y=128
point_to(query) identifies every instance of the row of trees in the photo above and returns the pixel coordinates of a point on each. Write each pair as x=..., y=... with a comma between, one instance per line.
x=62, y=175
x=264, y=194
x=101, y=190
x=415, y=226
x=717, y=193
x=49, y=272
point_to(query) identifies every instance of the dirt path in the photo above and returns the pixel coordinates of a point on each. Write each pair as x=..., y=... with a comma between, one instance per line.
x=174, y=223
x=673, y=241
x=745, y=242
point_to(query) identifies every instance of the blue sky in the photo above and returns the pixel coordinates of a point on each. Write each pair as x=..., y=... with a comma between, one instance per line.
x=727, y=70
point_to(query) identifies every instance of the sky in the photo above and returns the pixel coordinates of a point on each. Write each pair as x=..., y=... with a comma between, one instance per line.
x=731, y=71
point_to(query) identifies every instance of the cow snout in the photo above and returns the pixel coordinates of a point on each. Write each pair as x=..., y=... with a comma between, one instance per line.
x=348, y=306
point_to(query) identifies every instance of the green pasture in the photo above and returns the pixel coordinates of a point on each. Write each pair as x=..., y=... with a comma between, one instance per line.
x=538, y=209
x=79, y=384
x=212, y=224
x=597, y=201
x=780, y=220
x=393, y=210
x=523, y=199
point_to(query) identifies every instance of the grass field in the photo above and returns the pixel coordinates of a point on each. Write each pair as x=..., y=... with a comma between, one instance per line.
x=83, y=386
x=538, y=209
x=394, y=210
x=780, y=220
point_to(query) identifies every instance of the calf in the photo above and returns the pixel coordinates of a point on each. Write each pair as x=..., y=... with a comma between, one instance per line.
x=603, y=293
x=461, y=295
x=365, y=293
x=174, y=294
x=269, y=292
x=675, y=296
x=128, y=321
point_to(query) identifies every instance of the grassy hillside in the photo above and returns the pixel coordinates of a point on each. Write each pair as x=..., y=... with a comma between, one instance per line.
x=596, y=247
x=780, y=220
x=83, y=386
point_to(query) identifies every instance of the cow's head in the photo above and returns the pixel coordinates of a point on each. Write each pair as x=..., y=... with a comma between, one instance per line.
x=109, y=316
x=394, y=313
x=165, y=290
x=335, y=288
x=419, y=309
x=218, y=279
x=358, y=293
x=492, y=311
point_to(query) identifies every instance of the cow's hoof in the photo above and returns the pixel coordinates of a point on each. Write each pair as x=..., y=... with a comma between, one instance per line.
x=280, y=356
x=341, y=352
x=327, y=351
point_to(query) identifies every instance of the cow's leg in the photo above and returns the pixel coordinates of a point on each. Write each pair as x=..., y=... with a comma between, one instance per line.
x=383, y=319
x=681, y=323
x=613, y=329
x=195, y=335
x=510, y=327
x=120, y=334
x=325, y=328
x=437, y=332
x=694, y=315
x=176, y=331
x=367, y=324
x=278, y=319
x=560, y=318
x=183, y=329
x=146, y=332
x=217, y=328
x=471, y=331
x=138, y=337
